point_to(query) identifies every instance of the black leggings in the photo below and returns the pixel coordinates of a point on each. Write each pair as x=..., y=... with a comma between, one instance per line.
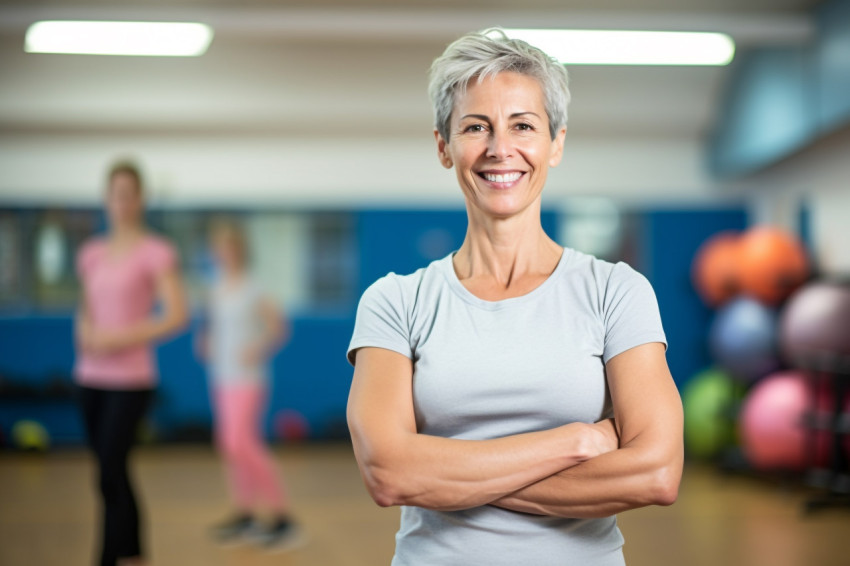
x=112, y=418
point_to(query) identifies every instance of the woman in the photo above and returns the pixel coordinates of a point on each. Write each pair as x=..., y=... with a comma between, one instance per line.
x=245, y=330
x=123, y=274
x=484, y=383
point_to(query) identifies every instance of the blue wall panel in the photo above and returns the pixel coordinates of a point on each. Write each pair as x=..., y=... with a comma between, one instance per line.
x=38, y=348
x=671, y=239
x=402, y=241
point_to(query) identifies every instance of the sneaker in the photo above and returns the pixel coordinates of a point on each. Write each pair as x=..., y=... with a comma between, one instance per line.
x=283, y=535
x=235, y=530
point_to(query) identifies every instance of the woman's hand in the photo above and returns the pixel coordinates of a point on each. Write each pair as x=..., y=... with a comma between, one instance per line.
x=99, y=341
x=83, y=331
x=275, y=331
x=603, y=437
x=254, y=353
x=587, y=441
x=201, y=345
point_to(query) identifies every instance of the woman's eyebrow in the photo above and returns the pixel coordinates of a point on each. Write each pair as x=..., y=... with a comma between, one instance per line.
x=487, y=118
x=477, y=116
x=518, y=114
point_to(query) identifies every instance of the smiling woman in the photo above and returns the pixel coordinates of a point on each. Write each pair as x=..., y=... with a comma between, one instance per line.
x=514, y=395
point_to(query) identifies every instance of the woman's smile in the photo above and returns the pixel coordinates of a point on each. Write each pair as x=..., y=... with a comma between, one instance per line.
x=499, y=179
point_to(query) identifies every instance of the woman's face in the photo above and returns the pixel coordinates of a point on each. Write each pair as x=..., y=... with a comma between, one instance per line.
x=500, y=145
x=228, y=252
x=124, y=204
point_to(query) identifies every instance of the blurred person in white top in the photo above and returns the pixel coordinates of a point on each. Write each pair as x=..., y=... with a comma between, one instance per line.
x=245, y=330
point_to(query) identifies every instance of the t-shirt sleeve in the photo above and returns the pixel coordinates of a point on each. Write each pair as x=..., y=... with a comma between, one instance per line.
x=631, y=312
x=161, y=256
x=382, y=320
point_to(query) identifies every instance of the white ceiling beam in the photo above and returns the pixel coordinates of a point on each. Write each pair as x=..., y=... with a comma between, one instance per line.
x=396, y=24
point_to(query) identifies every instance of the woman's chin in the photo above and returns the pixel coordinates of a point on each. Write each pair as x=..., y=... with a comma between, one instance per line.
x=504, y=206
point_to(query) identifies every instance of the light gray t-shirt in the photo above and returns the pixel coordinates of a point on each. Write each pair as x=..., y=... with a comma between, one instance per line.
x=234, y=325
x=488, y=369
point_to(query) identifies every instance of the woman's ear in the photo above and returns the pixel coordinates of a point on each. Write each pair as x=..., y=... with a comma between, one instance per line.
x=443, y=151
x=557, y=147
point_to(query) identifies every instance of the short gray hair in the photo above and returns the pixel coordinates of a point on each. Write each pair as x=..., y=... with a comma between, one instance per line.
x=486, y=53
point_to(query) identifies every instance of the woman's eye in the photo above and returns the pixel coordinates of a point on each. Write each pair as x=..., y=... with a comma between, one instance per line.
x=475, y=128
x=524, y=127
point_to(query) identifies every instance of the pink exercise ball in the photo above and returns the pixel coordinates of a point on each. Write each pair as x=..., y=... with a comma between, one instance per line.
x=771, y=423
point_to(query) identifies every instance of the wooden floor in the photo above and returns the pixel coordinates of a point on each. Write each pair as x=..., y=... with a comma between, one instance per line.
x=47, y=511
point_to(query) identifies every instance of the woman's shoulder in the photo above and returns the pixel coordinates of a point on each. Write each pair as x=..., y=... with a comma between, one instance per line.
x=602, y=279
x=92, y=244
x=158, y=251
x=157, y=242
x=599, y=270
x=90, y=250
x=407, y=288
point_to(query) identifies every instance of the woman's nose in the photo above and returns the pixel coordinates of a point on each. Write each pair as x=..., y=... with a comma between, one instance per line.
x=499, y=145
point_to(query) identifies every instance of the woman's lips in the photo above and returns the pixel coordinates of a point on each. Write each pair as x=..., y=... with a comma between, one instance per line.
x=501, y=179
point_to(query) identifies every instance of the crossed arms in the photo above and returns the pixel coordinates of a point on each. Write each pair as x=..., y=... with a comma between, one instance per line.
x=576, y=470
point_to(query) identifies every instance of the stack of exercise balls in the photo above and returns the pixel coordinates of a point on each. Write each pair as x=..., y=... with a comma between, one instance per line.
x=749, y=395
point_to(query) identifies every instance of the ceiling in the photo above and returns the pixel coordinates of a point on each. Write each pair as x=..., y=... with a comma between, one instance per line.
x=335, y=68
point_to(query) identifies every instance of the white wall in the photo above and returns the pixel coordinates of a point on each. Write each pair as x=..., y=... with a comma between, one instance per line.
x=346, y=171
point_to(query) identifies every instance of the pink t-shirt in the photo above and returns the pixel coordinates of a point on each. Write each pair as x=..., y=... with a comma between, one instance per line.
x=121, y=291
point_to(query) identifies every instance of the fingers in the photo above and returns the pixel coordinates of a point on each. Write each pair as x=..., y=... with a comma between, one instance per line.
x=609, y=440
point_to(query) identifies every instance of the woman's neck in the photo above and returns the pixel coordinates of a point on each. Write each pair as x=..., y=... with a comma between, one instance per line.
x=232, y=276
x=125, y=231
x=503, y=252
x=122, y=235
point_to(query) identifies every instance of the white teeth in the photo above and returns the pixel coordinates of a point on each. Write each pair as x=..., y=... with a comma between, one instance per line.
x=508, y=178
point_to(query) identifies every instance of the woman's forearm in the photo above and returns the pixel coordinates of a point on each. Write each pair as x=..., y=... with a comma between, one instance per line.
x=148, y=330
x=627, y=478
x=276, y=328
x=450, y=474
x=82, y=328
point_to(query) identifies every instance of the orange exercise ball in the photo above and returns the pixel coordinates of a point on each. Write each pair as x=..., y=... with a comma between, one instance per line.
x=773, y=264
x=715, y=269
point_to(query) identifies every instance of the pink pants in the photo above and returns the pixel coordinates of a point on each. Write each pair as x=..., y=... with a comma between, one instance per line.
x=250, y=469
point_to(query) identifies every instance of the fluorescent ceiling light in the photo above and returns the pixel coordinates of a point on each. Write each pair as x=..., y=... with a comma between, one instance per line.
x=604, y=47
x=119, y=38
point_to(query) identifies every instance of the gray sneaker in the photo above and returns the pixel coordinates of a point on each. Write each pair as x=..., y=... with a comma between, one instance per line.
x=281, y=536
x=236, y=530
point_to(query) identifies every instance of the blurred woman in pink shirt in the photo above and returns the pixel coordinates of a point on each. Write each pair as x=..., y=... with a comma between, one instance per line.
x=124, y=274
